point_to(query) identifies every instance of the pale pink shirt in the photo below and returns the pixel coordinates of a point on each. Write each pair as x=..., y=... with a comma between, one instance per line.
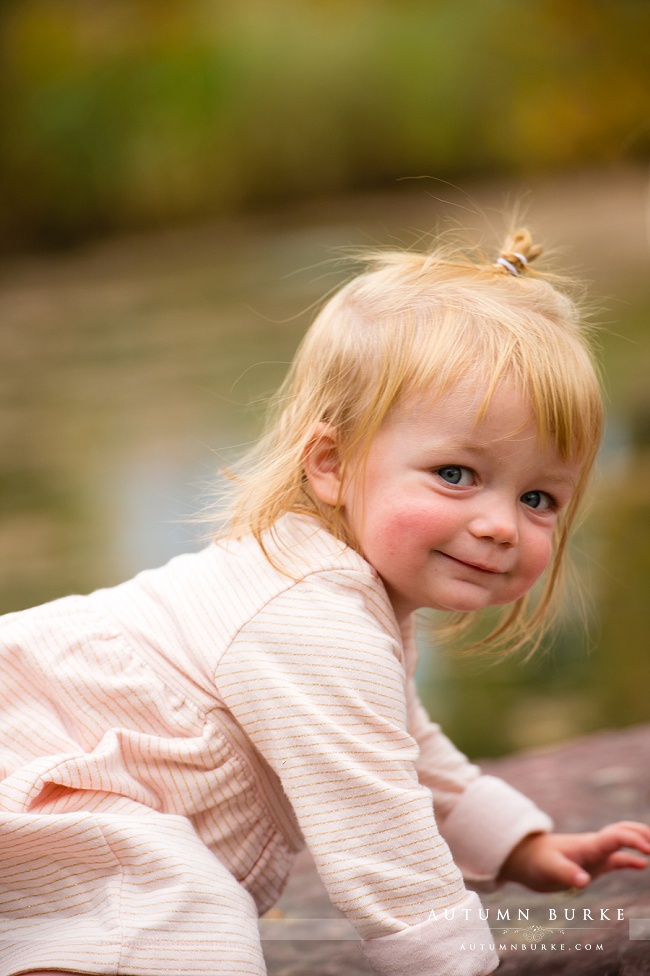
x=217, y=713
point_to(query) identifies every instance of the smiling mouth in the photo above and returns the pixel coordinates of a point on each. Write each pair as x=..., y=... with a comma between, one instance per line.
x=478, y=566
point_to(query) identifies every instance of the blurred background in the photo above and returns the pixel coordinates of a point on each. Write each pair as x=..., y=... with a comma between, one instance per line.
x=179, y=183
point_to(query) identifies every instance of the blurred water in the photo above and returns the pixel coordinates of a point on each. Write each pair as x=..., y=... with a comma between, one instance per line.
x=131, y=370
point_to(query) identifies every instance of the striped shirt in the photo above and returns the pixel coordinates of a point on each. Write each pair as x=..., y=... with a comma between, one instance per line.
x=198, y=724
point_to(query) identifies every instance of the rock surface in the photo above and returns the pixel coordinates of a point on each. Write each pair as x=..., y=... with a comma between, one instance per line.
x=583, y=785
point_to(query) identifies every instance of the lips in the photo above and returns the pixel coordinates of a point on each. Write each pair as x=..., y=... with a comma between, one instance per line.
x=481, y=567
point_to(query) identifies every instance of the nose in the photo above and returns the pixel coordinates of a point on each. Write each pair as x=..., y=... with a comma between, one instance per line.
x=496, y=521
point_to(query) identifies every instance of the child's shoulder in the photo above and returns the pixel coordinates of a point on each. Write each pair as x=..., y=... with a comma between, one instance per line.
x=301, y=561
x=293, y=540
x=295, y=548
x=298, y=567
x=300, y=546
x=310, y=587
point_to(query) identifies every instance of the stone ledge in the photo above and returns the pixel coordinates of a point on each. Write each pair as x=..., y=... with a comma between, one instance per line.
x=583, y=785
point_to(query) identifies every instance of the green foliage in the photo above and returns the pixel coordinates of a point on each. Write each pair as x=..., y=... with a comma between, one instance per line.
x=121, y=113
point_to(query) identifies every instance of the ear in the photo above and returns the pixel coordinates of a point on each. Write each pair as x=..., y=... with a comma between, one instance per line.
x=323, y=464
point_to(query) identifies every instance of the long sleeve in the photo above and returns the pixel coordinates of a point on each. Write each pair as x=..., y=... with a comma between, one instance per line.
x=317, y=682
x=482, y=818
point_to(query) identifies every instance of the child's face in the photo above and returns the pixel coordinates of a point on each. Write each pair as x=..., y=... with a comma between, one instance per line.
x=455, y=513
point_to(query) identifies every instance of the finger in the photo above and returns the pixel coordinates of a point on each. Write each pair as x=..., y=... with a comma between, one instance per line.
x=621, y=860
x=615, y=836
x=567, y=872
x=642, y=834
x=641, y=829
x=636, y=824
x=619, y=835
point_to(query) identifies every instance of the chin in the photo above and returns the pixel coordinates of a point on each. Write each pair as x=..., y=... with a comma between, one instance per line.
x=461, y=606
x=468, y=600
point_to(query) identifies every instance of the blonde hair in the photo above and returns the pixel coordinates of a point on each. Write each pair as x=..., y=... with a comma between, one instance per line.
x=415, y=322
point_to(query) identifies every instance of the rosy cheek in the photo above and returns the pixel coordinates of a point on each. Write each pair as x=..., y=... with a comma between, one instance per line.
x=431, y=520
x=541, y=559
x=391, y=537
x=405, y=525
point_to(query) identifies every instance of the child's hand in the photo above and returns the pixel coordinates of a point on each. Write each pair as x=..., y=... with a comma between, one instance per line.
x=551, y=862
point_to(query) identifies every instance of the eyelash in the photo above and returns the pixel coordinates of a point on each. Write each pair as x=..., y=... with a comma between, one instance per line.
x=453, y=467
x=552, y=505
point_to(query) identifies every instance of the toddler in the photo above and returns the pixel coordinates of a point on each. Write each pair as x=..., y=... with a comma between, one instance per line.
x=169, y=744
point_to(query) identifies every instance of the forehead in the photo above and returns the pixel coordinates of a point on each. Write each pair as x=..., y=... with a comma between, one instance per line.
x=468, y=422
x=468, y=411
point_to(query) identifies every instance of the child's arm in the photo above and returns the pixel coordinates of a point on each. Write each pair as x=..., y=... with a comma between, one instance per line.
x=481, y=817
x=551, y=862
x=316, y=682
x=519, y=848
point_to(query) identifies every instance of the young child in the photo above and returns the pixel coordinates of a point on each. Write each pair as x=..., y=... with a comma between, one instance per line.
x=169, y=744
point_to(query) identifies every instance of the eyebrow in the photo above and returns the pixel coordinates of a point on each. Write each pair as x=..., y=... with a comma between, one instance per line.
x=561, y=479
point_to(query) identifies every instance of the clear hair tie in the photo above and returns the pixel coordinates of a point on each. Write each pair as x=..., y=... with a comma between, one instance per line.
x=509, y=266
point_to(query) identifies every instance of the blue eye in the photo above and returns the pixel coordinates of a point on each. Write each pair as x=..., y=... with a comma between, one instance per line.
x=456, y=474
x=539, y=500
